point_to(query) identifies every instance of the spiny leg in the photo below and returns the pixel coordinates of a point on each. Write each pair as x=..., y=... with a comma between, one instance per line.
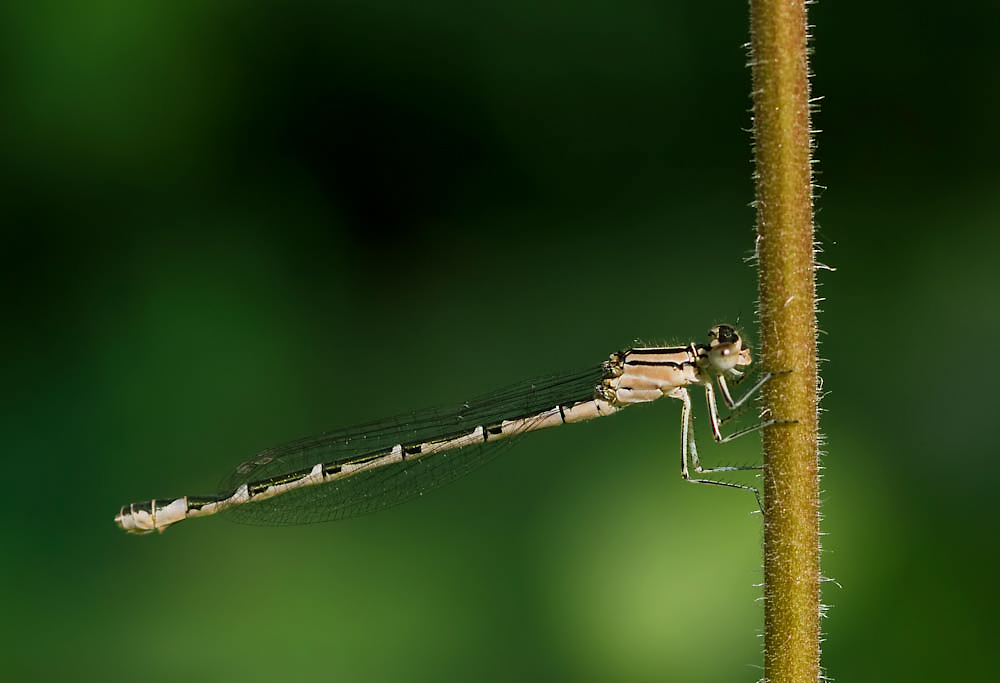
x=713, y=415
x=689, y=449
x=737, y=407
x=728, y=397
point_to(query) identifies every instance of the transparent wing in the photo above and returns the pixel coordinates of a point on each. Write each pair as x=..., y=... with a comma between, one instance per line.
x=388, y=485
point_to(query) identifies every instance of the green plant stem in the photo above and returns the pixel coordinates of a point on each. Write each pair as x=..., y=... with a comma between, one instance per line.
x=788, y=339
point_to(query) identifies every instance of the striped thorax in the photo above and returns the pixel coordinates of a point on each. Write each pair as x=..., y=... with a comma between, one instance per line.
x=641, y=375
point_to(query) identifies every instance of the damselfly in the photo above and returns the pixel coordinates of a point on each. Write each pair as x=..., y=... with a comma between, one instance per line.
x=373, y=466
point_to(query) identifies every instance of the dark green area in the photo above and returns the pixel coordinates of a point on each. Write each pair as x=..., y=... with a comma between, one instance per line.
x=228, y=225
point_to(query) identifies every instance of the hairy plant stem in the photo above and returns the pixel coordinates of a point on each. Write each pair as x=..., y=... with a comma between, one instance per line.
x=782, y=144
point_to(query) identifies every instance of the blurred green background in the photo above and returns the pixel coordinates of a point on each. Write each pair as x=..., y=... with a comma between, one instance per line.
x=231, y=224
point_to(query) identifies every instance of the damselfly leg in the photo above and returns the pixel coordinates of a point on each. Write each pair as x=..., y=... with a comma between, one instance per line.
x=689, y=449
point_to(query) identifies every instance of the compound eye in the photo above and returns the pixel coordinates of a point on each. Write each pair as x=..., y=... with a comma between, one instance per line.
x=726, y=334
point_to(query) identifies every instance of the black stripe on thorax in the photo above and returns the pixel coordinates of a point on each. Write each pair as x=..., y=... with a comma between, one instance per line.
x=655, y=351
x=659, y=363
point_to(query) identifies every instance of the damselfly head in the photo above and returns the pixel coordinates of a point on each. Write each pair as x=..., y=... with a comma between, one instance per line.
x=726, y=349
